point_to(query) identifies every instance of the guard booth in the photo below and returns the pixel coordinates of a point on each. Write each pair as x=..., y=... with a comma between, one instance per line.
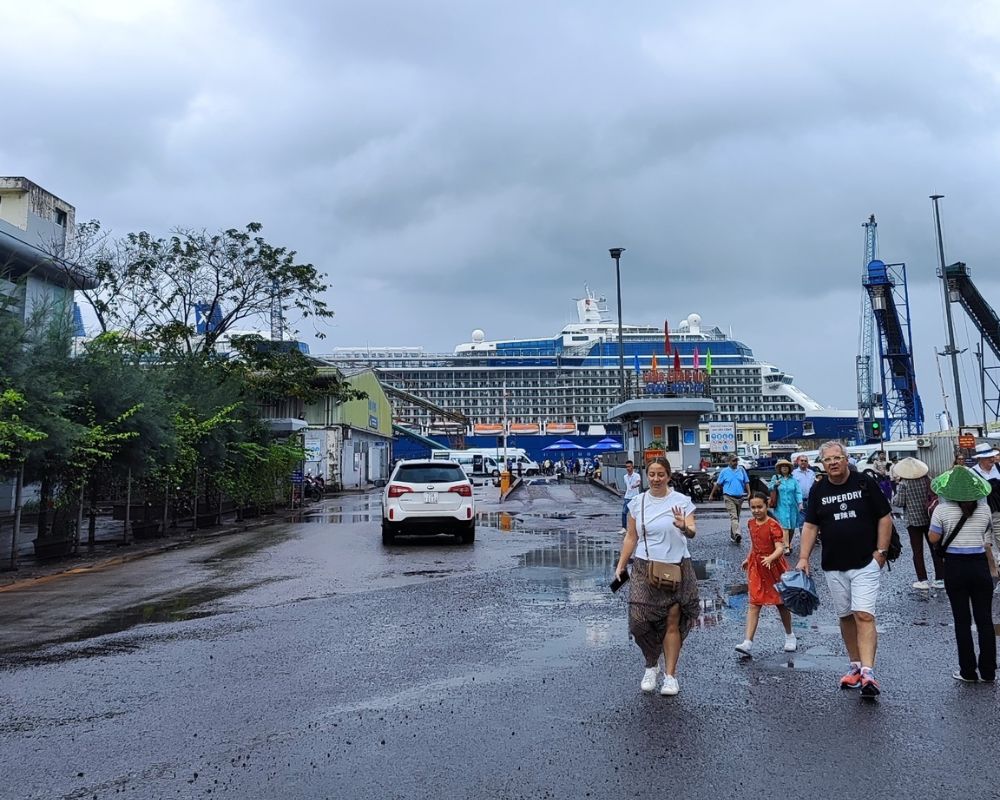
x=658, y=427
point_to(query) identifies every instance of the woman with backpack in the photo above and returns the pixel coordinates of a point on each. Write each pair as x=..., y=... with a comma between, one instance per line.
x=962, y=524
x=913, y=490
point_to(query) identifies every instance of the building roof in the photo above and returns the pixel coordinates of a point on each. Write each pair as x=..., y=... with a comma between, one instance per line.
x=19, y=259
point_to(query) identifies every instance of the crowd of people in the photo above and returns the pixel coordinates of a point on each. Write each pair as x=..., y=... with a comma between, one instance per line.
x=586, y=466
x=849, y=513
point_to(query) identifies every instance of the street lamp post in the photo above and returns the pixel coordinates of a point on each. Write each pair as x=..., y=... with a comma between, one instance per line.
x=616, y=254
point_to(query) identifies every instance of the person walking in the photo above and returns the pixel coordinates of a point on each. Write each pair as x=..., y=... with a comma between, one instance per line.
x=660, y=524
x=986, y=468
x=912, y=494
x=632, y=485
x=788, y=500
x=962, y=523
x=805, y=478
x=856, y=524
x=764, y=566
x=735, y=485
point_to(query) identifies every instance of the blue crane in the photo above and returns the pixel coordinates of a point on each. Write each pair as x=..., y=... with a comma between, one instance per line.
x=866, y=341
x=902, y=410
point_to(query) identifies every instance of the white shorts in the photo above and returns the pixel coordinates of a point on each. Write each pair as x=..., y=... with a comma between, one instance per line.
x=854, y=589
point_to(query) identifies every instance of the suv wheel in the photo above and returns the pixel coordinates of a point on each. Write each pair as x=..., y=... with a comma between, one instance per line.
x=388, y=537
x=468, y=536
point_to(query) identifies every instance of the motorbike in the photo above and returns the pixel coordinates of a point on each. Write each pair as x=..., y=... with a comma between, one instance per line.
x=696, y=484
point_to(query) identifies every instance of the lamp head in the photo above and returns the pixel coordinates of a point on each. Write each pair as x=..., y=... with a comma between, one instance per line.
x=616, y=252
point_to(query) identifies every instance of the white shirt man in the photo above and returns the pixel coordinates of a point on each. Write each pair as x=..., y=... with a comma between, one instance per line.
x=804, y=476
x=986, y=468
x=632, y=483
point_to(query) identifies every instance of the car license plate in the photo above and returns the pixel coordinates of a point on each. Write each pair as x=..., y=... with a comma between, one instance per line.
x=430, y=497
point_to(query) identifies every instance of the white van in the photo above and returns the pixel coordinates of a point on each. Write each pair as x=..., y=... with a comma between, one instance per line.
x=473, y=462
x=517, y=456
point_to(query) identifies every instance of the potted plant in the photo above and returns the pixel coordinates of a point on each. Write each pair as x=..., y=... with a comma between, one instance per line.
x=653, y=450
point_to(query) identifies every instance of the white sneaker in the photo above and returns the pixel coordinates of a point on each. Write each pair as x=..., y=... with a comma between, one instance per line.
x=624, y=531
x=937, y=583
x=921, y=585
x=744, y=648
x=670, y=686
x=649, y=679
x=790, y=643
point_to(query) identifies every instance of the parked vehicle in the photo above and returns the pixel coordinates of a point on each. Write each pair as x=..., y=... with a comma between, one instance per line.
x=426, y=496
x=696, y=484
x=474, y=463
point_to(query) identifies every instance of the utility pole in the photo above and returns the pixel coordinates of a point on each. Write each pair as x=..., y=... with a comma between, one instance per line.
x=616, y=254
x=951, y=351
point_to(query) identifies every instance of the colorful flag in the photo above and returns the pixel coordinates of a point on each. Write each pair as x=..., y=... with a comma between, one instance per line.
x=708, y=361
x=666, y=338
x=653, y=367
x=696, y=358
x=677, y=359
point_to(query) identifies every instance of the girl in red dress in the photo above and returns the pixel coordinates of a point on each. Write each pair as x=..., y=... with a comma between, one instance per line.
x=764, y=566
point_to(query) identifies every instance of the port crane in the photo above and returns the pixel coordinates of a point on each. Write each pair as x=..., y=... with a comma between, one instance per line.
x=867, y=402
x=902, y=410
x=961, y=289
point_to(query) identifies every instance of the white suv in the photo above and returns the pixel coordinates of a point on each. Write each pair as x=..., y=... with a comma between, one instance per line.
x=425, y=496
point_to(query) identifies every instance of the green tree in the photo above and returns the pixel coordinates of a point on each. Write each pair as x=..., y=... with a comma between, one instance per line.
x=15, y=439
x=150, y=286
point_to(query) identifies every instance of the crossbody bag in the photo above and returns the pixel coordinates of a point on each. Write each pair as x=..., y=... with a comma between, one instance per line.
x=660, y=574
x=945, y=544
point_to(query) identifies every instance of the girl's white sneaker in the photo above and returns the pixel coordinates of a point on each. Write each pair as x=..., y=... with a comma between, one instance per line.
x=745, y=648
x=649, y=679
x=670, y=686
x=790, y=643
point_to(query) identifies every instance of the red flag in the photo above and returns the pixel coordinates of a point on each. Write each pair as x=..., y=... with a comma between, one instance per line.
x=666, y=338
x=696, y=358
x=677, y=359
x=653, y=365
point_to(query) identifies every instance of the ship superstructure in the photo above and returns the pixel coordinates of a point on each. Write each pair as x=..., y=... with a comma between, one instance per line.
x=571, y=380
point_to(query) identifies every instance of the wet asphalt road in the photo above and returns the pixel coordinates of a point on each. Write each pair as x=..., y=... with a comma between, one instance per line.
x=309, y=662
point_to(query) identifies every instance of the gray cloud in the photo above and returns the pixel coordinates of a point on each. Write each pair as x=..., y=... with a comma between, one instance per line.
x=454, y=165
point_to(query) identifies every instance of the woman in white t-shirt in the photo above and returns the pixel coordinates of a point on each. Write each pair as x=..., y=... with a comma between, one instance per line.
x=660, y=523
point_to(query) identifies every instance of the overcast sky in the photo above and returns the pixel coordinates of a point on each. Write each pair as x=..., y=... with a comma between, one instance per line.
x=455, y=164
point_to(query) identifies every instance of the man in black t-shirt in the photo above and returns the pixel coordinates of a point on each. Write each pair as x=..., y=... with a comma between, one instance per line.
x=856, y=522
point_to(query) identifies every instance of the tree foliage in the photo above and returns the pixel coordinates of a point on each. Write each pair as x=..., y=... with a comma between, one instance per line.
x=150, y=286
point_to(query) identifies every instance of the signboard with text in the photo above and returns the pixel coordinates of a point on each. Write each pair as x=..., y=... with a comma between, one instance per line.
x=722, y=437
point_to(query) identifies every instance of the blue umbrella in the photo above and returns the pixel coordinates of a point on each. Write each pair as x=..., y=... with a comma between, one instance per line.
x=798, y=591
x=607, y=443
x=563, y=444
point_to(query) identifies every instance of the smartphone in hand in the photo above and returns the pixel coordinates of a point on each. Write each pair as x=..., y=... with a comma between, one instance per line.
x=619, y=581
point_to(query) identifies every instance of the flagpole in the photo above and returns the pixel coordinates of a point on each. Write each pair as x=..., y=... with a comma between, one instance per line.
x=505, y=424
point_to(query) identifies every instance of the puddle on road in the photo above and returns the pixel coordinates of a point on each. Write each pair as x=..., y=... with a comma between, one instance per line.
x=578, y=570
x=335, y=517
x=187, y=605
x=174, y=608
x=224, y=559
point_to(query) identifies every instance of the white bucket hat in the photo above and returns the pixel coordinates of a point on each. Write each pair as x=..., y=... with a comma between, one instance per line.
x=985, y=450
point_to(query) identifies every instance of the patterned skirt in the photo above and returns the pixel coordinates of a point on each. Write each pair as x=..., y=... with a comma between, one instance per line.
x=648, y=608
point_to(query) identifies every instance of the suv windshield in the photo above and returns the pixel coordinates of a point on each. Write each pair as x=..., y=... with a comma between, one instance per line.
x=428, y=473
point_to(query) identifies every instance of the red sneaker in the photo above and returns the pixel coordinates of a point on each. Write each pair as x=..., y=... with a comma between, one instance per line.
x=852, y=680
x=869, y=686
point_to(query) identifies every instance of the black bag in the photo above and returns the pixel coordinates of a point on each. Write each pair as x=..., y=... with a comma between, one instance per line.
x=895, y=548
x=895, y=545
x=993, y=499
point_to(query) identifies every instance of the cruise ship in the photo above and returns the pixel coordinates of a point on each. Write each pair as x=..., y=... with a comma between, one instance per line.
x=566, y=384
